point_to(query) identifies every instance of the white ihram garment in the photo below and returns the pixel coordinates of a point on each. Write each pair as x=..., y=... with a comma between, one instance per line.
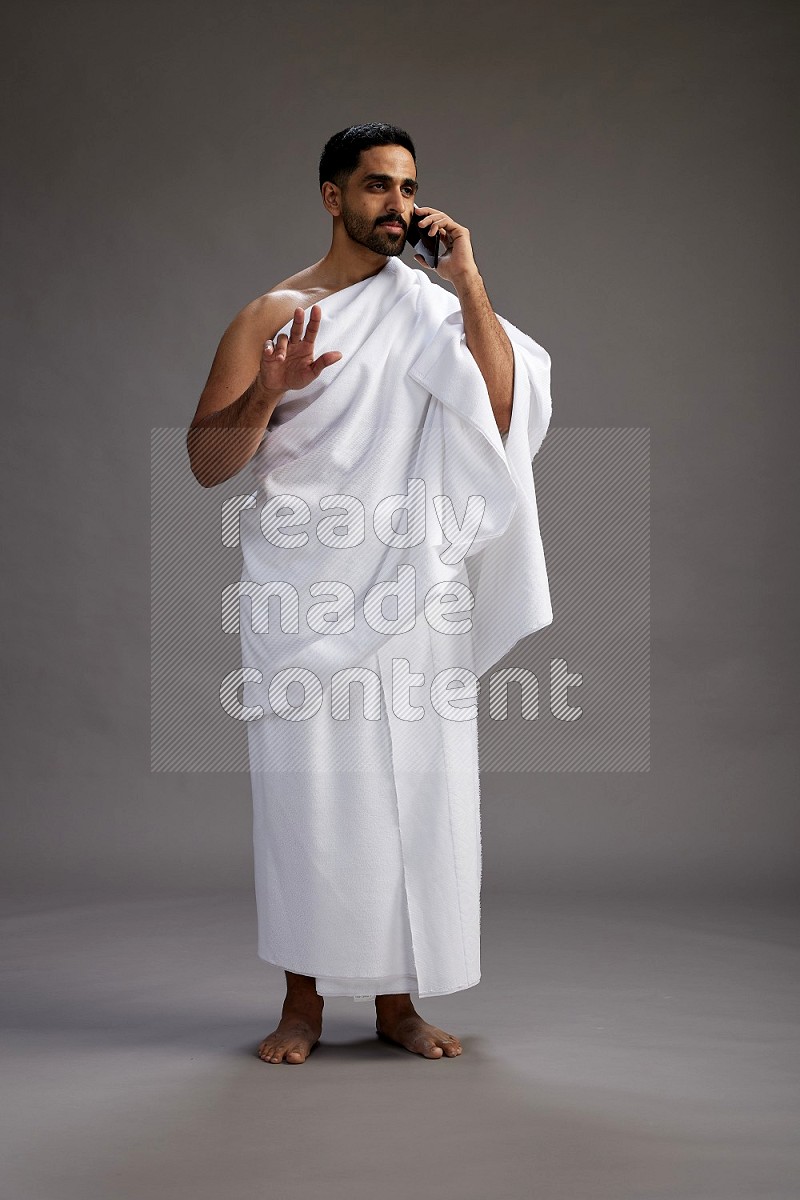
x=366, y=828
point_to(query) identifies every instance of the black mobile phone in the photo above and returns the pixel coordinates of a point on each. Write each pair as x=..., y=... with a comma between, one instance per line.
x=421, y=242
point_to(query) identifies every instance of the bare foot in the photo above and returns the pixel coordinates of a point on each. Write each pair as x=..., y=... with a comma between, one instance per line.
x=300, y=1024
x=417, y=1035
x=293, y=1040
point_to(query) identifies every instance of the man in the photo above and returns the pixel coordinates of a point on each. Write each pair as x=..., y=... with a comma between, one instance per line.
x=368, y=869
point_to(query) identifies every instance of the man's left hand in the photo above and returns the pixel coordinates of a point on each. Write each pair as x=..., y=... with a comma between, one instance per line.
x=455, y=248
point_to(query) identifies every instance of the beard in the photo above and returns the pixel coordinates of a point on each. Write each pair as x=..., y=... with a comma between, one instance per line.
x=365, y=231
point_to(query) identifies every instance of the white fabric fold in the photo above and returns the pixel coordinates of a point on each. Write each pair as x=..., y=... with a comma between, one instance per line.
x=367, y=823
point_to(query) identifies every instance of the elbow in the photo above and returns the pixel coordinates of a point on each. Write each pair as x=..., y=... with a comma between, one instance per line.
x=196, y=463
x=205, y=480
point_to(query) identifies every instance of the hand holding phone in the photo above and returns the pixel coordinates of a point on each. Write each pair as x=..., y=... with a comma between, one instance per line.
x=421, y=242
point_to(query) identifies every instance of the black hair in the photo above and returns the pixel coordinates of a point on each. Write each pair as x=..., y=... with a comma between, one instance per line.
x=340, y=157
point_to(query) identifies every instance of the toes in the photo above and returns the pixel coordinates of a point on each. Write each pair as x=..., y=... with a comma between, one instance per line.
x=275, y=1048
x=432, y=1050
x=296, y=1053
x=271, y=1052
x=429, y=1041
x=451, y=1045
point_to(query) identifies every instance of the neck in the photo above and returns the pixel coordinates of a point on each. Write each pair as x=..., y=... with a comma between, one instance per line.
x=348, y=262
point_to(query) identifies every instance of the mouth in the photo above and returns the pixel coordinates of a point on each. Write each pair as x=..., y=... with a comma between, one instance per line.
x=392, y=226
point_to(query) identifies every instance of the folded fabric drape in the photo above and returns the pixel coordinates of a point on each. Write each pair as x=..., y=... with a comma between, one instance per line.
x=391, y=555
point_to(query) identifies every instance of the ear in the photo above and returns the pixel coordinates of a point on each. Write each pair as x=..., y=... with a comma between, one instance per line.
x=331, y=199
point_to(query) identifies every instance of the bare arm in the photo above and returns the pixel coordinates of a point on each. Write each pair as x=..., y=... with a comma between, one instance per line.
x=247, y=379
x=234, y=409
x=487, y=341
x=221, y=443
x=489, y=345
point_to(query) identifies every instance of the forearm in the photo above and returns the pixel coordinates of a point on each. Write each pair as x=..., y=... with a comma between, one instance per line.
x=489, y=345
x=221, y=443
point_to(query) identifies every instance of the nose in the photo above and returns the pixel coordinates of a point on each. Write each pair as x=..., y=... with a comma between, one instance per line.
x=395, y=206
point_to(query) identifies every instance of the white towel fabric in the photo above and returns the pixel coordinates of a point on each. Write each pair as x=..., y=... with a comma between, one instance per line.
x=366, y=826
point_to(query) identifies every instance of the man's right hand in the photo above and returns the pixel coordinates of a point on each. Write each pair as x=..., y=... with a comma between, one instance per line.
x=288, y=363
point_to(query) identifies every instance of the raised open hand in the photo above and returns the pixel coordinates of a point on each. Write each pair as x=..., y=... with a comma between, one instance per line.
x=289, y=363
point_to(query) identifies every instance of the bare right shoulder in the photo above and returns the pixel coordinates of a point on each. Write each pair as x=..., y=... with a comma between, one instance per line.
x=238, y=355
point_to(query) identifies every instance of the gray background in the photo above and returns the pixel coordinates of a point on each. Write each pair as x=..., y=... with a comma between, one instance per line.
x=627, y=173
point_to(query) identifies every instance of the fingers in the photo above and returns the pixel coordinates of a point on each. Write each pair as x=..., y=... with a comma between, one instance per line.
x=314, y=318
x=325, y=360
x=297, y=325
x=276, y=350
x=437, y=222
